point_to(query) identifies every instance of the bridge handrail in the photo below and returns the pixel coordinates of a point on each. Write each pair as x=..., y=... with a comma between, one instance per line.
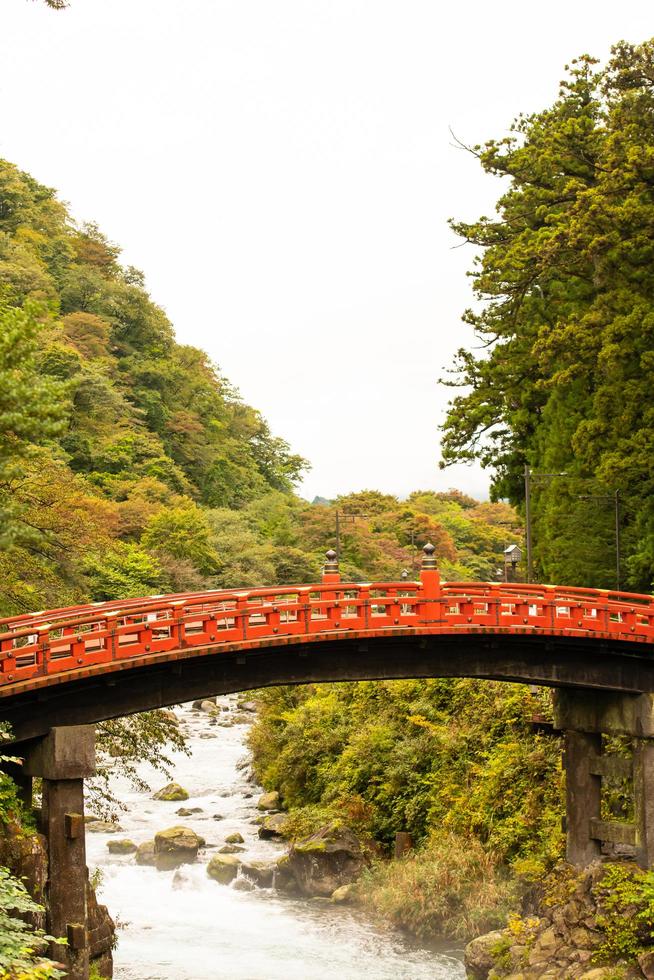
x=53, y=642
x=89, y=612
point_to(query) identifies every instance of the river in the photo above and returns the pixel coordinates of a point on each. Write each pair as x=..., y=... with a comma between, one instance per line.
x=181, y=925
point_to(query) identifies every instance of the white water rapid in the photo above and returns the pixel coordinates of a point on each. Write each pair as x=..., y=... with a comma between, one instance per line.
x=183, y=926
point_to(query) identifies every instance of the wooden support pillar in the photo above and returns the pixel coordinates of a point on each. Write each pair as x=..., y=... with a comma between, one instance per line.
x=584, y=716
x=583, y=797
x=63, y=759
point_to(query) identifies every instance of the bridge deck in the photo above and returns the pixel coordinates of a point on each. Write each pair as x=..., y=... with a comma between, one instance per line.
x=43, y=649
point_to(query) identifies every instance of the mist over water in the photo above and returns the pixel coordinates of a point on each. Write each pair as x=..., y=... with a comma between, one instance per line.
x=181, y=925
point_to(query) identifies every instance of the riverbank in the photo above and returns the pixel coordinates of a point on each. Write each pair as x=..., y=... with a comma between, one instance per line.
x=181, y=924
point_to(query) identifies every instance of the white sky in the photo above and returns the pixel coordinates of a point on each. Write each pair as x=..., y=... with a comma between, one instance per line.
x=282, y=171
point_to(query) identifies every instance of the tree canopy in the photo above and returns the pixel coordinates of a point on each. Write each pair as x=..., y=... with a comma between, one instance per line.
x=565, y=287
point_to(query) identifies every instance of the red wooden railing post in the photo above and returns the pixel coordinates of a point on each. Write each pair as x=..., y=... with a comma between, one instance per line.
x=429, y=574
x=430, y=592
x=331, y=576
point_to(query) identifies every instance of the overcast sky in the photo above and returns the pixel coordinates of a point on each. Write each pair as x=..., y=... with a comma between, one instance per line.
x=283, y=171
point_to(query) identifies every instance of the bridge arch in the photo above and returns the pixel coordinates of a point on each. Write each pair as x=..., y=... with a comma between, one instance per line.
x=84, y=664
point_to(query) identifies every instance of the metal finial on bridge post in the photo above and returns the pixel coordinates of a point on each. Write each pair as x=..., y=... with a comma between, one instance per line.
x=428, y=551
x=330, y=572
x=429, y=574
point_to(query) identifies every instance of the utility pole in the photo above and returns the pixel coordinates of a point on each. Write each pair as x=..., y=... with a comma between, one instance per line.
x=528, y=519
x=615, y=498
x=345, y=518
x=617, y=539
x=529, y=475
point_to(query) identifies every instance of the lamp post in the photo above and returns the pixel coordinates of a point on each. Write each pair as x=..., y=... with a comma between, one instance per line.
x=512, y=558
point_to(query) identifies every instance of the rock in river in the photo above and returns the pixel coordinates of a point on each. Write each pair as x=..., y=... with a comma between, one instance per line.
x=259, y=872
x=274, y=826
x=103, y=827
x=175, y=846
x=145, y=853
x=321, y=863
x=123, y=846
x=172, y=793
x=479, y=954
x=269, y=801
x=223, y=868
x=234, y=839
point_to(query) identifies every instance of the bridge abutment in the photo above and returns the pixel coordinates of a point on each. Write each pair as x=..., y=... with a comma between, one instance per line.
x=587, y=719
x=63, y=759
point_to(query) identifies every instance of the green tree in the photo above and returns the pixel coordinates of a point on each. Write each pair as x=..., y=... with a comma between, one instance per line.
x=31, y=406
x=183, y=532
x=565, y=285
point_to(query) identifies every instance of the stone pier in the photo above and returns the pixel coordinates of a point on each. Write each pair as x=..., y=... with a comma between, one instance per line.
x=586, y=718
x=63, y=759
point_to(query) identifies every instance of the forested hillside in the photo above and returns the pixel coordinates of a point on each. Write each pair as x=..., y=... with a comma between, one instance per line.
x=116, y=442
x=563, y=371
x=129, y=465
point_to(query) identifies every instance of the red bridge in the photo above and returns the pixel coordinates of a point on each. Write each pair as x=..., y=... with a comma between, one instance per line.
x=64, y=670
x=86, y=663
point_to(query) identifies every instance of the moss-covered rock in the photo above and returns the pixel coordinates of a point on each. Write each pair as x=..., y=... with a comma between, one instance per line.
x=274, y=827
x=103, y=827
x=172, y=793
x=260, y=872
x=234, y=839
x=230, y=849
x=269, y=801
x=145, y=853
x=175, y=846
x=223, y=868
x=321, y=863
x=123, y=846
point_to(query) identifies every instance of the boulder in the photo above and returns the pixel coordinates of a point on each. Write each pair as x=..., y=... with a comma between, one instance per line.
x=123, y=846
x=175, y=846
x=169, y=715
x=234, y=839
x=269, y=801
x=230, y=849
x=321, y=863
x=250, y=706
x=172, y=793
x=478, y=958
x=646, y=963
x=274, y=826
x=261, y=873
x=343, y=894
x=145, y=853
x=242, y=885
x=197, y=705
x=209, y=707
x=103, y=827
x=223, y=868
x=186, y=811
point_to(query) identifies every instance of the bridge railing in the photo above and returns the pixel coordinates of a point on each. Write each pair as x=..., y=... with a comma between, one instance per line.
x=81, y=638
